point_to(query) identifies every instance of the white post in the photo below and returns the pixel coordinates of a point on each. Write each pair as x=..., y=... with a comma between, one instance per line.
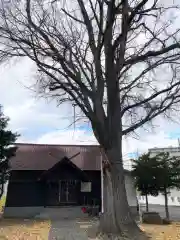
x=102, y=186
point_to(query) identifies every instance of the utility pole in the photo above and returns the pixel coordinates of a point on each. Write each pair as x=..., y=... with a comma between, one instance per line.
x=74, y=116
x=178, y=142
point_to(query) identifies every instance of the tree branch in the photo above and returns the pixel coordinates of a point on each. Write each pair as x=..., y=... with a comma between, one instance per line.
x=150, y=54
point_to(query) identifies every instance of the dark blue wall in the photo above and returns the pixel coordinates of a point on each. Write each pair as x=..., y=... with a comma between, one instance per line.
x=25, y=190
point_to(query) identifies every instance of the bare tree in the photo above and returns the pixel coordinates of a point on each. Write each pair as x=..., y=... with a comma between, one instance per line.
x=117, y=60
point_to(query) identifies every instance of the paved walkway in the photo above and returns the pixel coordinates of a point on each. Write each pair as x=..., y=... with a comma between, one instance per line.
x=70, y=230
x=69, y=224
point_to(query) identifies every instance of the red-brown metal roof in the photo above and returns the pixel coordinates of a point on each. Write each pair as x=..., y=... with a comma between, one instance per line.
x=43, y=157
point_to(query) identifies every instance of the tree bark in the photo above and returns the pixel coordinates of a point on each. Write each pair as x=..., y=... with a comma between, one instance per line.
x=108, y=221
x=117, y=218
x=166, y=204
x=147, y=204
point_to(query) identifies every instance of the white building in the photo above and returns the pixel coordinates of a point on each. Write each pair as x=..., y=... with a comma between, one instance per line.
x=174, y=196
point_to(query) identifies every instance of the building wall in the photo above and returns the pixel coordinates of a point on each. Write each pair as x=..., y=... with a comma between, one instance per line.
x=24, y=190
x=174, y=196
x=172, y=200
x=25, y=175
x=25, y=194
x=93, y=197
x=173, y=151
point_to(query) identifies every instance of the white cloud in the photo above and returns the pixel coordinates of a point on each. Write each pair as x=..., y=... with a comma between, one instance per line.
x=38, y=113
x=68, y=137
x=13, y=76
x=29, y=115
x=25, y=110
x=146, y=141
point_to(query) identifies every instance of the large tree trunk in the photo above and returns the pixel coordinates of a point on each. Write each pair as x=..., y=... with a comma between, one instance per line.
x=108, y=221
x=147, y=204
x=166, y=204
x=117, y=218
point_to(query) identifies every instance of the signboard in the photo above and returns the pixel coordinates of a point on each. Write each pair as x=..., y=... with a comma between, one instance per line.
x=85, y=186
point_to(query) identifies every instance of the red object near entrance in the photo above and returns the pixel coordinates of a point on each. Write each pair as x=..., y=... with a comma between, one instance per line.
x=84, y=209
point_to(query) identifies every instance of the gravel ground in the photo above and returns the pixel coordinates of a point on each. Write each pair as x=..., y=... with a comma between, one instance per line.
x=24, y=229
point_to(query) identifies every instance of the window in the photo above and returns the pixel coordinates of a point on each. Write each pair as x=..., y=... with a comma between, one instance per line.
x=85, y=186
x=172, y=199
x=178, y=198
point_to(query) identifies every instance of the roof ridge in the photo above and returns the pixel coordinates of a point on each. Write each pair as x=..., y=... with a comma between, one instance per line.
x=63, y=145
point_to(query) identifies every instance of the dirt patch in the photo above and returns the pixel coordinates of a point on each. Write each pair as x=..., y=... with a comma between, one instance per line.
x=162, y=232
x=13, y=229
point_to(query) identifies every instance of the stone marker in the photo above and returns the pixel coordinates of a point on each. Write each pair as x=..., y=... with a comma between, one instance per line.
x=151, y=218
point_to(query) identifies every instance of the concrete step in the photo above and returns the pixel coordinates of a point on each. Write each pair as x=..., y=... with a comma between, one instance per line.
x=61, y=213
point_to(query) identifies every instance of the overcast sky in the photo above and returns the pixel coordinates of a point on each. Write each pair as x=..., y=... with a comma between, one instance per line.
x=39, y=121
